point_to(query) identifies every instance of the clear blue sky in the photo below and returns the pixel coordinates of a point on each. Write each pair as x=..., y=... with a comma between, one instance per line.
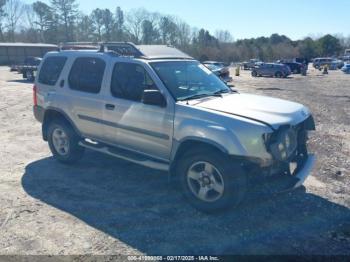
x=245, y=19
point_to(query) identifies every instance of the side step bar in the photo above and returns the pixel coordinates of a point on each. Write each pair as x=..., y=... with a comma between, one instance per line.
x=126, y=155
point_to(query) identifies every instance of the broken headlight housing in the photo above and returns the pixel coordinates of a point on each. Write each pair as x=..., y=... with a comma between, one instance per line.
x=283, y=143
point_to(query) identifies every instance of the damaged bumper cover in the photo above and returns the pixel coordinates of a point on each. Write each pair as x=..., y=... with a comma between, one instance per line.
x=305, y=171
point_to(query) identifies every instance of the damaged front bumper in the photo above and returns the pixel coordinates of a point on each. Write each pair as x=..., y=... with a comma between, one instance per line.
x=274, y=181
x=305, y=171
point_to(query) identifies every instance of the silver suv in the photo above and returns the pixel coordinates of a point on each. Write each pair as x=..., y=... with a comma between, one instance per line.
x=160, y=108
x=271, y=69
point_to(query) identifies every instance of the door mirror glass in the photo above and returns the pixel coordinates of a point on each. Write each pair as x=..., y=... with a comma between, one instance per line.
x=153, y=97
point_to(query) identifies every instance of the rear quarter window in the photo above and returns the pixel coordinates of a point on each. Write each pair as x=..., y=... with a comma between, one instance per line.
x=51, y=70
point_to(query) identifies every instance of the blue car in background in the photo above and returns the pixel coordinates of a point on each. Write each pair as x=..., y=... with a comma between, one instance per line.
x=346, y=69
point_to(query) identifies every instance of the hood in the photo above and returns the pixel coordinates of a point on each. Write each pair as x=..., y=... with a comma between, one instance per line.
x=270, y=111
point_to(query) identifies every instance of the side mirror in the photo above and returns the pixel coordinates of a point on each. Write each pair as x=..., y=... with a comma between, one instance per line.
x=153, y=97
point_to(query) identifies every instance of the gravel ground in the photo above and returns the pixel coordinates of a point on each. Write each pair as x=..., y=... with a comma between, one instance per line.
x=105, y=206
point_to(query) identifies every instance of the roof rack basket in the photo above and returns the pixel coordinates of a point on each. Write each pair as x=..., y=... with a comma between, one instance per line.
x=121, y=49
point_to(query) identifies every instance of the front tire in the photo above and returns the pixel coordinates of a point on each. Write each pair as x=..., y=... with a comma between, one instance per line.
x=64, y=142
x=211, y=181
x=254, y=74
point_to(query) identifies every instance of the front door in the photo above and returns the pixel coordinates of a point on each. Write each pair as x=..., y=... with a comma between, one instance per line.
x=130, y=123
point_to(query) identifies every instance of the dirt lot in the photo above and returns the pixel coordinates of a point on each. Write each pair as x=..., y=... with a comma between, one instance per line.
x=107, y=206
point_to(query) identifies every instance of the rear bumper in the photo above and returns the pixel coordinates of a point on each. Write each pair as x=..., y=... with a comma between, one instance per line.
x=39, y=113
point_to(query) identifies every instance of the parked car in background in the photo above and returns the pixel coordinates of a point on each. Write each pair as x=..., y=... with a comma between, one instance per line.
x=295, y=67
x=346, y=68
x=216, y=63
x=13, y=68
x=28, y=67
x=271, y=69
x=250, y=64
x=219, y=69
x=320, y=62
x=28, y=61
x=336, y=64
x=301, y=60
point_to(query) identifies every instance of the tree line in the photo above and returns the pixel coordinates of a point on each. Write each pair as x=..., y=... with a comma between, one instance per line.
x=62, y=21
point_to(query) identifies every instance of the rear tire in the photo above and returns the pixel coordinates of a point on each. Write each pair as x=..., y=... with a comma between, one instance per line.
x=64, y=142
x=278, y=74
x=211, y=181
x=254, y=74
x=30, y=76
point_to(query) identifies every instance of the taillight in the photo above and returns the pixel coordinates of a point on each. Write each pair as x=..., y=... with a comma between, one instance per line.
x=35, y=99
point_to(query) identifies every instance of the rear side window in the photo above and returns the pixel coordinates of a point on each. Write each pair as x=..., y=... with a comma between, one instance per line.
x=51, y=70
x=86, y=74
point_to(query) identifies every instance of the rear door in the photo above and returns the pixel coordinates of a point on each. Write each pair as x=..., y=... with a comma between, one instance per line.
x=82, y=96
x=264, y=69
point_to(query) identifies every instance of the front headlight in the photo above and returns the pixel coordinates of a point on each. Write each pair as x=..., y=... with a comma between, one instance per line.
x=283, y=144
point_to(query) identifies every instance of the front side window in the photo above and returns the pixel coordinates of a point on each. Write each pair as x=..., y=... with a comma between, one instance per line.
x=188, y=79
x=51, y=70
x=129, y=80
x=86, y=74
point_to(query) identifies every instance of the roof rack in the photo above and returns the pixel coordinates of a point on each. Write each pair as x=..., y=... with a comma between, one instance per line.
x=128, y=49
x=78, y=46
x=121, y=49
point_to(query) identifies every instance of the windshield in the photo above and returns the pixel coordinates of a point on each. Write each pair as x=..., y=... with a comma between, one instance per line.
x=189, y=79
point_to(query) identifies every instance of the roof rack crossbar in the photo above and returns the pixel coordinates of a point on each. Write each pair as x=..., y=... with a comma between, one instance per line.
x=77, y=45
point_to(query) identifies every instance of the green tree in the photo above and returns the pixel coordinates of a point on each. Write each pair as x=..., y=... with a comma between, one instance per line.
x=134, y=24
x=108, y=24
x=183, y=35
x=329, y=45
x=97, y=19
x=168, y=30
x=308, y=48
x=13, y=12
x=2, y=16
x=85, y=28
x=119, y=24
x=43, y=18
x=150, y=33
x=66, y=12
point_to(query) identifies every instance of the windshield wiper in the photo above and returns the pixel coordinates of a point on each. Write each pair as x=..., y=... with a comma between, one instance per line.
x=197, y=96
x=222, y=91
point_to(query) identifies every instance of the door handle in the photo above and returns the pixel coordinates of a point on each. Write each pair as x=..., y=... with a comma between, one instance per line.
x=110, y=107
